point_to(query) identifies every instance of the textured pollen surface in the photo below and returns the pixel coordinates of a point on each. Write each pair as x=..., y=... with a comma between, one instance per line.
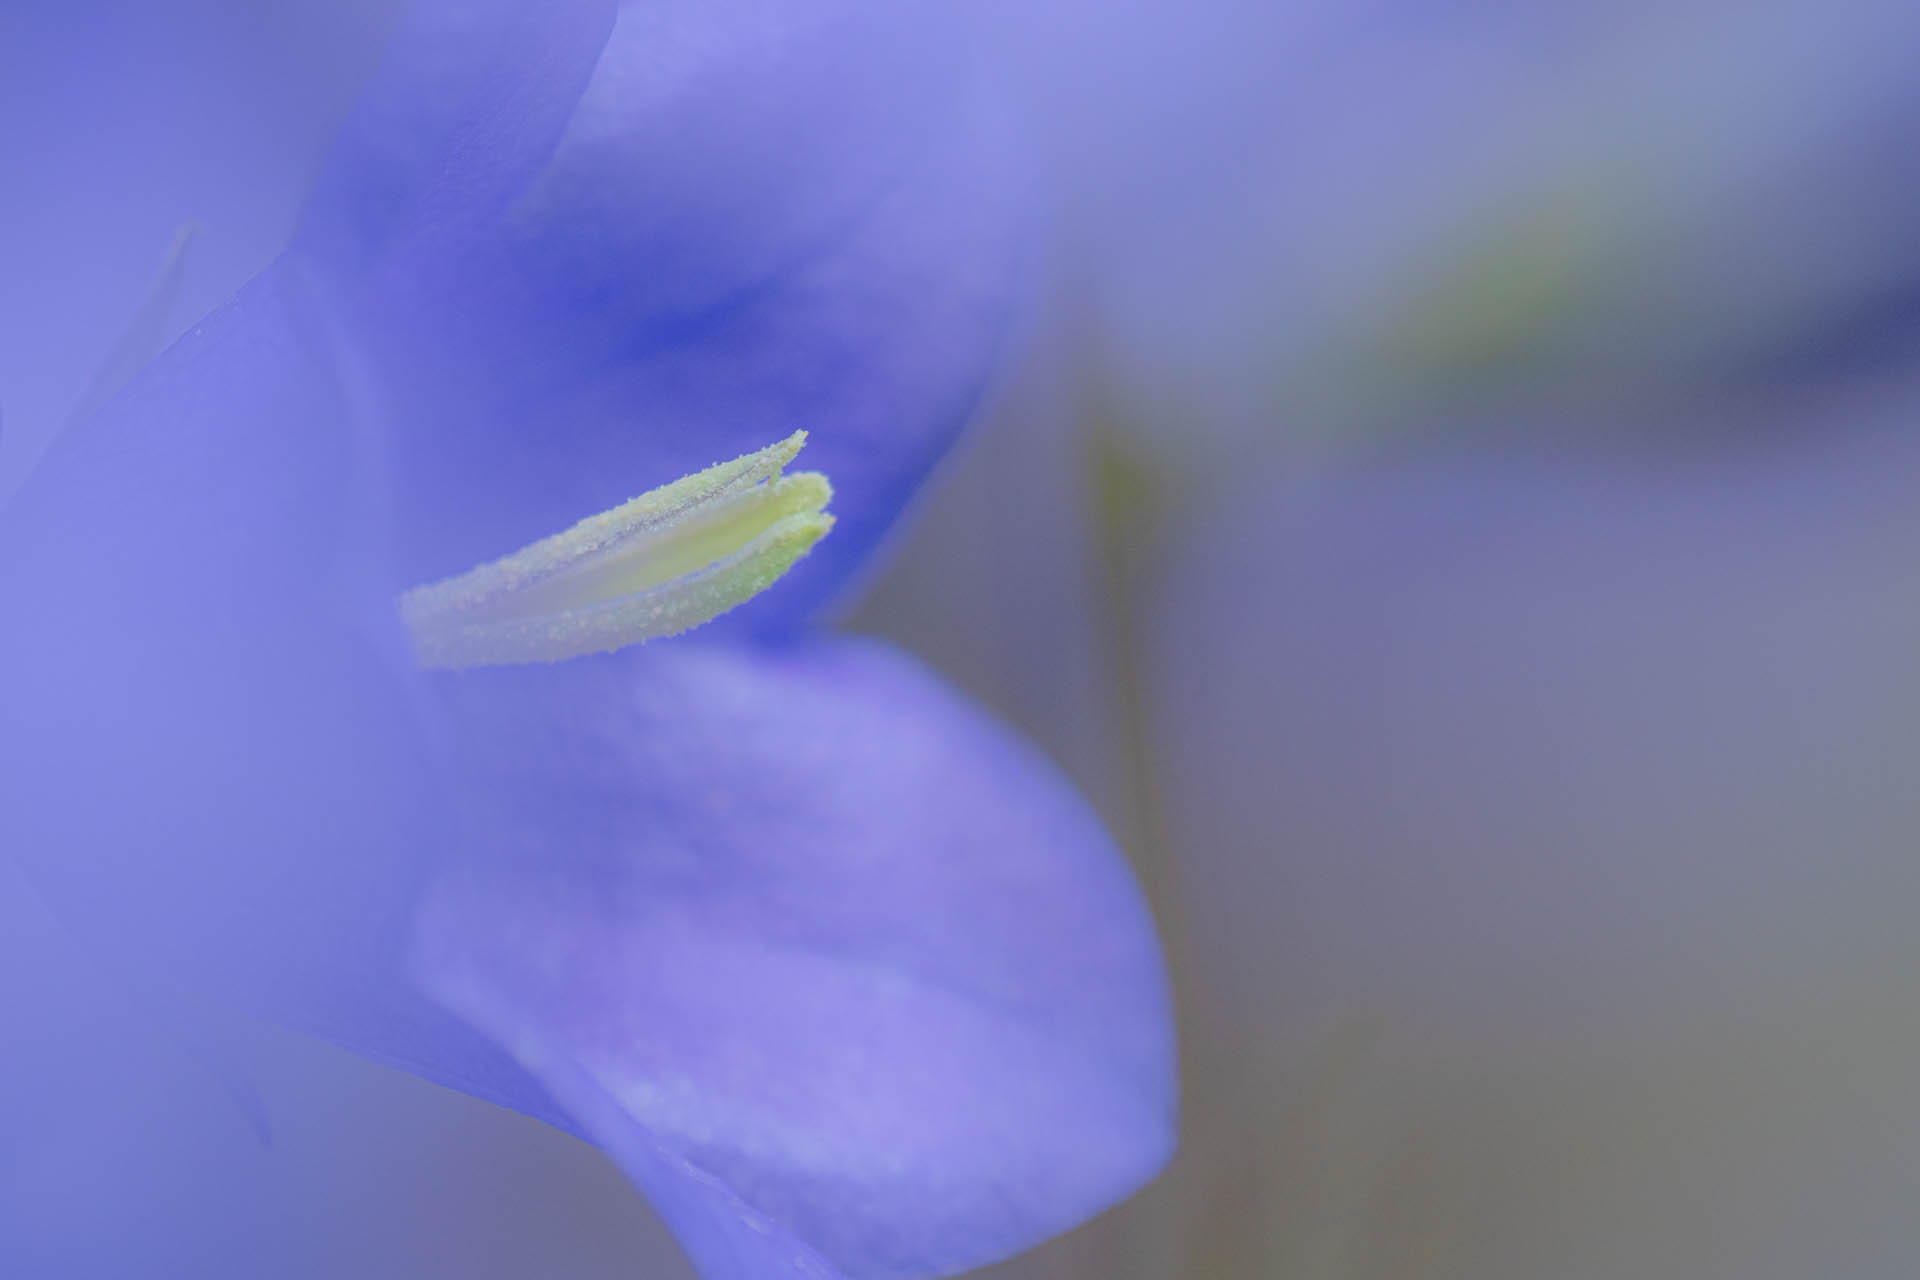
x=655, y=566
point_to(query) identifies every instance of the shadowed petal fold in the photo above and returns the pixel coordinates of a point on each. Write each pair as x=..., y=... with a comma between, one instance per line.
x=758, y=219
x=461, y=117
x=802, y=929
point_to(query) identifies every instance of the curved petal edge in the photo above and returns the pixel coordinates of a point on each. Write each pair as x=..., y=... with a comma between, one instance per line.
x=815, y=946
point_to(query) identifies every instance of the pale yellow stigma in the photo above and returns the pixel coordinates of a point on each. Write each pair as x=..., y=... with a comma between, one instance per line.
x=655, y=566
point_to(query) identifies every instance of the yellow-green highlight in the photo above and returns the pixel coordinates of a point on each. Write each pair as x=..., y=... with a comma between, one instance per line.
x=660, y=564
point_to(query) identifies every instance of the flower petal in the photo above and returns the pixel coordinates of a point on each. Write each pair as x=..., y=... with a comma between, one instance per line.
x=802, y=929
x=464, y=113
x=207, y=119
x=217, y=767
x=759, y=219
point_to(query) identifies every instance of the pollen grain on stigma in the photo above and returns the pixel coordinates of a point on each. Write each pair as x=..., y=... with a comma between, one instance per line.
x=662, y=563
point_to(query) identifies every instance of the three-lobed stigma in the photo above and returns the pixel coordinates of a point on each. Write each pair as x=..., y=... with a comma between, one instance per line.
x=660, y=564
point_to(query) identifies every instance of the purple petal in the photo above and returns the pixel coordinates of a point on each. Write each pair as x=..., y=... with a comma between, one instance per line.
x=464, y=113
x=217, y=766
x=759, y=218
x=122, y=123
x=803, y=929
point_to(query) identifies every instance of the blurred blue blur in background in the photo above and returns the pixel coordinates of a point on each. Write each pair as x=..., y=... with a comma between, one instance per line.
x=1448, y=500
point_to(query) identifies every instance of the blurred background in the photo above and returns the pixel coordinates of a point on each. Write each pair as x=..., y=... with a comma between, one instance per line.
x=1449, y=502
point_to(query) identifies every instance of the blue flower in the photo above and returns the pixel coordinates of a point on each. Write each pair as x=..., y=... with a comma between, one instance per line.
x=843, y=976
